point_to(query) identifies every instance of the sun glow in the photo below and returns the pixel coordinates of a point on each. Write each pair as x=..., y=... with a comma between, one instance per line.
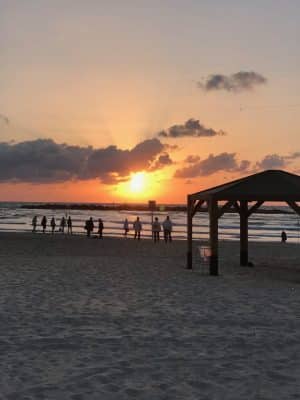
x=138, y=182
x=141, y=186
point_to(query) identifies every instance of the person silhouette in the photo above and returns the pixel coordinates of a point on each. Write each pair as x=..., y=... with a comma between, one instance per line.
x=44, y=223
x=126, y=227
x=283, y=237
x=53, y=225
x=137, y=226
x=34, y=223
x=69, y=224
x=156, y=228
x=167, y=227
x=62, y=224
x=100, y=228
x=89, y=226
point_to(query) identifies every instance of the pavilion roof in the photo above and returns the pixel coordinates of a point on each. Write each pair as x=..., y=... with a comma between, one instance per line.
x=269, y=185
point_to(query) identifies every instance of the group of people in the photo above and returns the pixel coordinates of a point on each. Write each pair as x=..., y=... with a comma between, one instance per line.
x=157, y=227
x=64, y=222
x=89, y=227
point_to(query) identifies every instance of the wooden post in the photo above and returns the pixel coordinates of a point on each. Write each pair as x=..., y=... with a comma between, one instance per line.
x=244, y=232
x=190, y=204
x=213, y=237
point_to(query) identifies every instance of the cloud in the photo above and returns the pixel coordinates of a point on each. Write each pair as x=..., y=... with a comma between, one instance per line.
x=162, y=161
x=191, y=128
x=211, y=164
x=238, y=82
x=227, y=162
x=191, y=159
x=4, y=119
x=272, y=161
x=276, y=161
x=44, y=161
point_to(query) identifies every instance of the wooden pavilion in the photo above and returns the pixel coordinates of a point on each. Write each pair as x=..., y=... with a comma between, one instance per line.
x=270, y=185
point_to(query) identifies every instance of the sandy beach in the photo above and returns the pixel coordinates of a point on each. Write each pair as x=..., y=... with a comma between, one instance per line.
x=118, y=319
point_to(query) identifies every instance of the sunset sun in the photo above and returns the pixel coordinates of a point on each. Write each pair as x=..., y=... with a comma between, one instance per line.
x=138, y=182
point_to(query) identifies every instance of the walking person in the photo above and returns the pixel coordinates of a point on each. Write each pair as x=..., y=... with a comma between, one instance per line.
x=137, y=227
x=167, y=227
x=100, y=228
x=126, y=227
x=34, y=223
x=62, y=224
x=53, y=225
x=44, y=223
x=156, y=228
x=69, y=224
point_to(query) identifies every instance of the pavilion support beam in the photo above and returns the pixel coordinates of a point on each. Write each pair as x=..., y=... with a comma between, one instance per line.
x=294, y=206
x=255, y=207
x=213, y=237
x=190, y=210
x=226, y=207
x=244, y=232
x=236, y=206
x=197, y=206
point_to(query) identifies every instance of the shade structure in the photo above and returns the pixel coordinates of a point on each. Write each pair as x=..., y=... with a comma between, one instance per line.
x=237, y=195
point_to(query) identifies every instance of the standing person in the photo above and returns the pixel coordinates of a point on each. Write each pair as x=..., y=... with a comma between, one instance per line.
x=89, y=226
x=53, y=225
x=62, y=224
x=69, y=224
x=126, y=227
x=167, y=226
x=44, y=223
x=100, y=228
x=156, y=228
x=283, y=237
x=137, y=226
x=34, y=223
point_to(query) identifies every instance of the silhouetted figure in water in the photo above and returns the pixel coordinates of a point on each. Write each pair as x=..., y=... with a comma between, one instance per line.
x=34, y=223
x=44, y=223
x=89, y=226
x=126, y=227
x=53, y=225
x=69, y=223
x=100, y=228
x=283, y=237
x=167, y=226
x=62, y=224
x=137, y=226
x=156, y=228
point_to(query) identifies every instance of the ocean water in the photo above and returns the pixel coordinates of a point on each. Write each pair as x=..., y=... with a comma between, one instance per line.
x=262, y=227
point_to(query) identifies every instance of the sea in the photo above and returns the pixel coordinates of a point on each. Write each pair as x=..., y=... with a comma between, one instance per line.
x=262, y=227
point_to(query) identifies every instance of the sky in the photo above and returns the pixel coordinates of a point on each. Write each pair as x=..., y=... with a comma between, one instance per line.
x=127, y=101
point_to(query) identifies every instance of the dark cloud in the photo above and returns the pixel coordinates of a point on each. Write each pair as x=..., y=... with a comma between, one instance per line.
x=4, y=119
x=276, y=161
x=43, y=160
x=238, y=82
x=191, y=159
x=191, y=128
x=211, y=164
x=162, y=161
x=272, y=161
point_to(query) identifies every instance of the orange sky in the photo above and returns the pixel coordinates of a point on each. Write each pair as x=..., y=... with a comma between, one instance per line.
x=117, y=76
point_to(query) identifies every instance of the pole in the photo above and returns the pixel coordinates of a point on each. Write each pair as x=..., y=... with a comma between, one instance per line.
x=189, y=254
x=213, y=237
x=243, y=232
